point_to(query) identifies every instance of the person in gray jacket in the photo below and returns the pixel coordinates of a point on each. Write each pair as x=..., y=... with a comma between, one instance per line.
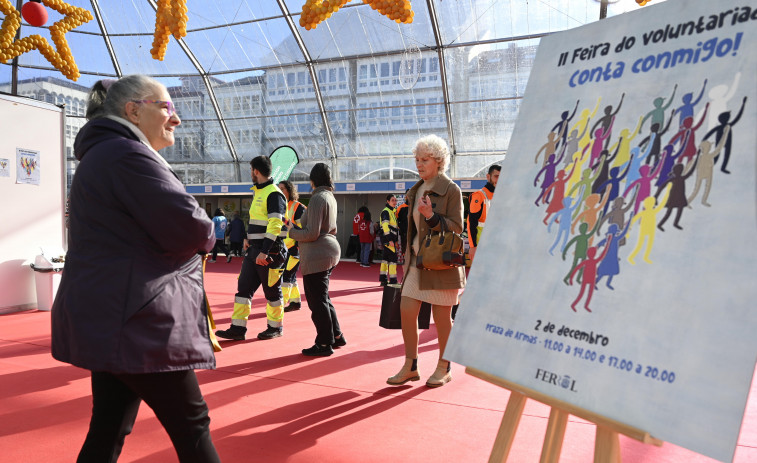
x=130, y=307
x=319, y=254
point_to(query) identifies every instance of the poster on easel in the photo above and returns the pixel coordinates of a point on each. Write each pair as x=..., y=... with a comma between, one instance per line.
x=621, y=239
x=27, y=166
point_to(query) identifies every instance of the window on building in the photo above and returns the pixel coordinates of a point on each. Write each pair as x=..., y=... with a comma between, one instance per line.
x=395, y=68
x=396, y=110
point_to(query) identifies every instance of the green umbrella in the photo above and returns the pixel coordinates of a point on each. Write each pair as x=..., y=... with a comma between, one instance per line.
x=284, y=160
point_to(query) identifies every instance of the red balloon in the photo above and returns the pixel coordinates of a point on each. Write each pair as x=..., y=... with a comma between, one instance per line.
x=34, y=13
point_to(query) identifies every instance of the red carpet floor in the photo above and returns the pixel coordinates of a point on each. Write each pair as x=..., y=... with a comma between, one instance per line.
x=269, y=403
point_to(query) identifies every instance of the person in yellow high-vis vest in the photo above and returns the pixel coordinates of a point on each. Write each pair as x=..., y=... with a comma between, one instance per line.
x=389, y=240
x=265, y=256
x=479, y=206
x=295, y=209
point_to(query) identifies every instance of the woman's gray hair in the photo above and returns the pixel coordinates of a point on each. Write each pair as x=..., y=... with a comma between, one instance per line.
x=436, y=147
x=108, y=98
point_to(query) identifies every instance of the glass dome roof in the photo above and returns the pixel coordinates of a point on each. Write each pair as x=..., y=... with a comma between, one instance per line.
x=356, y=91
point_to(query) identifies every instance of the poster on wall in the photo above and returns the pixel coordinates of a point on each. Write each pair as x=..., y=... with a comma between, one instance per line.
x=229, y=207
x=27, y=166
x=621, y=238
x=5, y=168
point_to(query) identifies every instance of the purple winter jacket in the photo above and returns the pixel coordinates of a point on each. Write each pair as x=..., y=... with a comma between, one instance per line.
x=131, y=295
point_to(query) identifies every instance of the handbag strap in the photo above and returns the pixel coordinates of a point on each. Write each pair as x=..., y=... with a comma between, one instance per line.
x=444, y=230
x=442, y=225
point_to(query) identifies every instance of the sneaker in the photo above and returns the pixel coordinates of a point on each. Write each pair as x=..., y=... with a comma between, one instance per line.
x=228, y=258
x=235, y=333
x=340, y=341
x=211, y=261
x=365, y=265
x=292, y=307
x=393, y=281
x=271, y=332
x=318, y=351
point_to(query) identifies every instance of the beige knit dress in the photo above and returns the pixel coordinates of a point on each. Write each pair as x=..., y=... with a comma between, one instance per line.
x=411, y=283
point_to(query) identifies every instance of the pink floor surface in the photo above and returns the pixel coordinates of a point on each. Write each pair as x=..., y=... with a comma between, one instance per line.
x=269, y=403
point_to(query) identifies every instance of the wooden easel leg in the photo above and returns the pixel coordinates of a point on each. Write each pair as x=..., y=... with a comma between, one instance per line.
x=553, y=439
x=606, y=446
x=507, y=428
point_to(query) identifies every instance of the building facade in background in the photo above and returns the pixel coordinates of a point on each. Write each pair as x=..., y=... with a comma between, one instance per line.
x=376, y=107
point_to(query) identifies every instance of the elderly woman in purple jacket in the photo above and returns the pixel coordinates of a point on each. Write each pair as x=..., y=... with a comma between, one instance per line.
x=130, y=306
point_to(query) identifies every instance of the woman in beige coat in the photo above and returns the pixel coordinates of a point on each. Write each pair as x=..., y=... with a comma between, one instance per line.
x=433, y=199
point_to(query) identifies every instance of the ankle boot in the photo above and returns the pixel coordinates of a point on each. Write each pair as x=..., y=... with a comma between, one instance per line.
x=409, y=372
x=441, y=375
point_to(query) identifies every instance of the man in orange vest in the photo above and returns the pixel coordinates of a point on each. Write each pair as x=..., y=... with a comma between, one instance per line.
x=479, y=206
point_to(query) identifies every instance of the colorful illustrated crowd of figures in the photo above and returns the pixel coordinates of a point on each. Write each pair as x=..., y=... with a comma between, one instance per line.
x=598, y=181
x=28, y=164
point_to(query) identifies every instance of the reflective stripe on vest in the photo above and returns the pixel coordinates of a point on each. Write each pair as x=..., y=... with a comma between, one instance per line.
x=488, y=195
x=291, y=211
x=391, y=223
x=262, y=223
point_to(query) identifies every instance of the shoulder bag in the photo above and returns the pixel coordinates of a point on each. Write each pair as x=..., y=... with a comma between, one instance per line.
x=440, y=250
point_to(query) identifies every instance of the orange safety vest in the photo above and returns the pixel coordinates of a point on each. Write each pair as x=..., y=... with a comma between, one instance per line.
x=479, y=201
x=289, y=216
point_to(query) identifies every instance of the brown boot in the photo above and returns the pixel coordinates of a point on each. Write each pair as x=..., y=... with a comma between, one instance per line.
x=441, y=375
x=409, y=372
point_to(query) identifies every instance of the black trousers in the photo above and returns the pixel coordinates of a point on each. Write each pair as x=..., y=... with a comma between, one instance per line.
x=252, y=276
x=220, y=246
x=175, y=398
x=353, y=246
x=322, y=311
x=235, y=247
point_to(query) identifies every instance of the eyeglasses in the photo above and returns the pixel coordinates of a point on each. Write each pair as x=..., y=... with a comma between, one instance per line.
x=169, y=105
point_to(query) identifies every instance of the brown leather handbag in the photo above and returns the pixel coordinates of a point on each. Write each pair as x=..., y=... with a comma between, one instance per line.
x=440, y=250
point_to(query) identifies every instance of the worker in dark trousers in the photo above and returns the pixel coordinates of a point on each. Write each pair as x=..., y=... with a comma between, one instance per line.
x=389, y=239
x=295, y=209
x=265, y=256
x=479, y=206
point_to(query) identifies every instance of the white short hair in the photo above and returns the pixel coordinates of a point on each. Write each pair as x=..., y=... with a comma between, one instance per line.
x=436, y=147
